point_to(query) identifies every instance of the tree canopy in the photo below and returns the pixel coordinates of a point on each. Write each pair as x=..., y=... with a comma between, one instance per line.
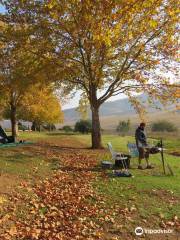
x=40, y=105
x=83, y=126
x=23, y=76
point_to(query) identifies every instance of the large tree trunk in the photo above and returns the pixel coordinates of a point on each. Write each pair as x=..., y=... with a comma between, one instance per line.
x=96, y=128
x=14, y=126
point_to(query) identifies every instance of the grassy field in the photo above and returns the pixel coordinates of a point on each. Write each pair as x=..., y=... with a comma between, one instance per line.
x=149, y=199
x=172, y=143
x=146, y=185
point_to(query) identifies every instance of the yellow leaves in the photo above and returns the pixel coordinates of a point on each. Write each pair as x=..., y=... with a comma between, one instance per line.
x=41, y=105
x=83, y=107
x=130, y=35
x=108, y=41
x=51, y=4
x=153, y=23
x=103, y=38
x=2, y=199
x=100, y=39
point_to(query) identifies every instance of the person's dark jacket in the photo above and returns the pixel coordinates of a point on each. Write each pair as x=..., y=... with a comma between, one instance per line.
x=140, y=137
x=4, y=138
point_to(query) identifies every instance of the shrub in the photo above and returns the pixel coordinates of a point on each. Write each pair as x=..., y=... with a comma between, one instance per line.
x=49, y=127
x=22, y=127
x=67, y=128
x=162, y=126
x=83, y=126
x=123, y=127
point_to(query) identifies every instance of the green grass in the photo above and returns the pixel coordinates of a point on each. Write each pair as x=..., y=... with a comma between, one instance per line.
x=152, y=193
x=120, y=143
x=172, y=143
x=149, y=190
x=22, y=164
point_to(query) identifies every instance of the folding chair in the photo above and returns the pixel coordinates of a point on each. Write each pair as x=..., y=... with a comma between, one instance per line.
x=132, y=148
x=115, y=155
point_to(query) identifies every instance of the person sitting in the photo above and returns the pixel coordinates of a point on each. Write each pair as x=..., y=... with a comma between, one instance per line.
x=142, y=146
x=4, y=138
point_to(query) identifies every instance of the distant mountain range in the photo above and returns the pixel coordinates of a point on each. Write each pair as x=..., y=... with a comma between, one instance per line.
x=119, y=108
x=113, y=112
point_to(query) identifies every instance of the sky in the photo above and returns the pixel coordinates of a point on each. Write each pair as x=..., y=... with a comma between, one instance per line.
x=73, y=102
x=1, y=8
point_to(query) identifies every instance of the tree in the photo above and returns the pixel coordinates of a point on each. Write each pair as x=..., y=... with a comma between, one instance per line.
x=162, y=126
x=2, y=105
x=83, y=126
x=22, y=127
x=83, y=107
x=16, y=71
x=19, y=69
x=49, y=127
x=123, y=127
x=41, y=106
x=67, y=128
x=106, y=47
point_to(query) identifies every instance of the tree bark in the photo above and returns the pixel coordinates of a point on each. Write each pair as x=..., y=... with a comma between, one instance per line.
x=96, y=129
x=14, y=126
x=33, y=127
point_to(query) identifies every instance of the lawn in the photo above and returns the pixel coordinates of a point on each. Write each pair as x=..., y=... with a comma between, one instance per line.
x=149, y=199
x=156, y=196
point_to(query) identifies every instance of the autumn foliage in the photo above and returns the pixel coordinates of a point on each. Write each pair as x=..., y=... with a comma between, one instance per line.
x=103, y=48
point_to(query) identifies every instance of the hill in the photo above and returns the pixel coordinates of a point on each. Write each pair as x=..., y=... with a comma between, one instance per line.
x=112, y=112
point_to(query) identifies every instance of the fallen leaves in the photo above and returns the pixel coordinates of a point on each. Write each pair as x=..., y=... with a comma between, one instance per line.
x=60, y=207
x=3, y=199
x=13, y=231
x=66, y=207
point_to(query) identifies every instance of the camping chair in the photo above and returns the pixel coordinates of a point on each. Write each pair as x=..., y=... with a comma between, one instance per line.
x=115, y=155
x=132, y=148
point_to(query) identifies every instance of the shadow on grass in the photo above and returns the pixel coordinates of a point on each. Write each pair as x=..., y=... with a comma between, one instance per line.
x=60, y=148
x=60, y=134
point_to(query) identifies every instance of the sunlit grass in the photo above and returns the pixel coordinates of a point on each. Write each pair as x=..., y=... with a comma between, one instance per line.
x=149, y=190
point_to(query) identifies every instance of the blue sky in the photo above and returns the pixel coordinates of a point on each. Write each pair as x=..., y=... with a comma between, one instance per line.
x=1, y=8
